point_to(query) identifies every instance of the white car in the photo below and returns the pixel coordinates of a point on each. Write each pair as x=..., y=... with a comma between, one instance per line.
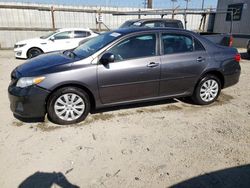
x=62, y=39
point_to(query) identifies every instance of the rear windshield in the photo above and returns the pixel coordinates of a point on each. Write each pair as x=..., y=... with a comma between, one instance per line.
x=172, y=24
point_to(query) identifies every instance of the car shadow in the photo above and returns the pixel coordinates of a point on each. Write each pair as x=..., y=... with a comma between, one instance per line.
x=46, y=180
x=245, y=56
x=134, y=105
x=227, y=178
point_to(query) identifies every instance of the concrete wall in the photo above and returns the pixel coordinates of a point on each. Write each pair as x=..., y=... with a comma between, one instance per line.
x=18, y=24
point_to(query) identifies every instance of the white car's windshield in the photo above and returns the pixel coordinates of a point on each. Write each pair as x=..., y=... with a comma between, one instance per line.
x=48, y=35
x=93, y=45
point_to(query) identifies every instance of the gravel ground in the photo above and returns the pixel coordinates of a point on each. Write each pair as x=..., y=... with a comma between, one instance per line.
x=158, y=144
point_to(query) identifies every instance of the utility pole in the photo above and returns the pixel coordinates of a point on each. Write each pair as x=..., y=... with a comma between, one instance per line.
x=173, y=8
x=202, y=6
x=185, y=15
x=187, y=1
x=149, y=3
x=173, y=1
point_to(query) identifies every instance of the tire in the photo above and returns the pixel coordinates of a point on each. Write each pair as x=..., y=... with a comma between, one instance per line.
x=33, y=52
x=65, y=113
x=207, y=90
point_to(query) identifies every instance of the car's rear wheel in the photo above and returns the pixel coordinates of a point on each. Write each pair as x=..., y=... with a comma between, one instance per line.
x=207, y=90
x=68, y=105
x=33, y=52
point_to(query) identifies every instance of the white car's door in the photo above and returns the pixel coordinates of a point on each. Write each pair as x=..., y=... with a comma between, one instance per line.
x=61, y=41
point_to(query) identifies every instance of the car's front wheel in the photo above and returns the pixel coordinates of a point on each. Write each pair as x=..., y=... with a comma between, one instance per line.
x=68, y=105
x=33, y=52
x=207, y=90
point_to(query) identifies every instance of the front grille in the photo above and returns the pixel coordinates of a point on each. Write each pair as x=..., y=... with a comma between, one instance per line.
x=15, y=46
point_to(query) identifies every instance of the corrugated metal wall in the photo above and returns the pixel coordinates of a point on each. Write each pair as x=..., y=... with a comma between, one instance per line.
x=18, y=24
x=239, y=28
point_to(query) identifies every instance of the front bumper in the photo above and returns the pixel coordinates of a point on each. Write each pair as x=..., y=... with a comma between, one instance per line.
x=20, y=53
x=28, y=103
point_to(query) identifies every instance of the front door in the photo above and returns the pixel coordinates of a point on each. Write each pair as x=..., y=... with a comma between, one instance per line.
x=61, y=41
x=135, y=72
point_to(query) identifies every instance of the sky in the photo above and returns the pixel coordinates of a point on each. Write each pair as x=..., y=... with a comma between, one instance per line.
x=126, y=3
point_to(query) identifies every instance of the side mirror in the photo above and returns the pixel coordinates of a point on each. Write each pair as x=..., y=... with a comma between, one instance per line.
x=52, y=38
x=107, y=58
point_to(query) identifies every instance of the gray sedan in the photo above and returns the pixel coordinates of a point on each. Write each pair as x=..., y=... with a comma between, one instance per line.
x=120, y=67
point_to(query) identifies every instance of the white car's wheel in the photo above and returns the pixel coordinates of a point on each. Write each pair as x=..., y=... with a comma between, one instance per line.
x=33, y=52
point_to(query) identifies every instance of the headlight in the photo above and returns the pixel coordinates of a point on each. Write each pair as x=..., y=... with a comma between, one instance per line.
x=19, y=45
x=28, y=81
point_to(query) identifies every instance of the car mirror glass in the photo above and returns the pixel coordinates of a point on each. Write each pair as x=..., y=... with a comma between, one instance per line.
x=107, y=58
x=52, y=38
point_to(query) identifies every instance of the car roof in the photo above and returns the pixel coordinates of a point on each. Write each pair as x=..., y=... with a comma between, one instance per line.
x=73, y=29
x=153, y=19
x=129, y=30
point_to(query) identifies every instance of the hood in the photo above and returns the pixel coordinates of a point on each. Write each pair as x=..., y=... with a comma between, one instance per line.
x=45, y=64
x=30, y=41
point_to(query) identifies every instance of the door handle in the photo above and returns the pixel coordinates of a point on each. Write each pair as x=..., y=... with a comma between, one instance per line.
x=200, y=59
x=152, y=64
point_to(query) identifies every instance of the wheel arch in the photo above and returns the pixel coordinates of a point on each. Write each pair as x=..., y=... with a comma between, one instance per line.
x=87, y=90
x=216, y=73
x=34, y=47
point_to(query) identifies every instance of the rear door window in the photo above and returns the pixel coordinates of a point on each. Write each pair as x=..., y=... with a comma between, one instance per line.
x=81, y=34
x=177, y=43
x=198, y=46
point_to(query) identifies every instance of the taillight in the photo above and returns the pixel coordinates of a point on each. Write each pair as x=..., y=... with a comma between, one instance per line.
x=237, y=57
x=231, y=41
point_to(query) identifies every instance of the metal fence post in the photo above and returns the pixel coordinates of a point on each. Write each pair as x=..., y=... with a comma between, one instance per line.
x=53, y=18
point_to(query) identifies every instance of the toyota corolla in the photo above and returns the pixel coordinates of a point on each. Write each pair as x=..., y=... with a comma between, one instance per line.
x=119, y=67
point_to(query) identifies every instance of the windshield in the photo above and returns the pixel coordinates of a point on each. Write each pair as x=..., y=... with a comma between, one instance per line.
x=93, y=45
x=48, y=35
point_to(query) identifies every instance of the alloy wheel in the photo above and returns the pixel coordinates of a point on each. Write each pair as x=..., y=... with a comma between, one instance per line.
x=69, y=107
x=209, y=90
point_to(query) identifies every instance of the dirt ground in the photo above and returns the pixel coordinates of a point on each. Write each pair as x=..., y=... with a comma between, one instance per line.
x=158, y=144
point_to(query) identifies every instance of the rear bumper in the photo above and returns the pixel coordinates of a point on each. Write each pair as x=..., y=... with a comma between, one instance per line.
x=231, y=79
x=28, y=103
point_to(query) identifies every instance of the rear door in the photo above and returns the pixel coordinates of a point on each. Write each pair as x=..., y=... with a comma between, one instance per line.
x=182, y=62
x=134, y=74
